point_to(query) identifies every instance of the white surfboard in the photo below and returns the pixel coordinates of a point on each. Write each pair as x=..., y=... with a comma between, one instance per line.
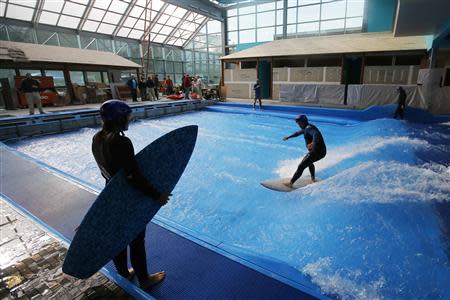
x=278, y=184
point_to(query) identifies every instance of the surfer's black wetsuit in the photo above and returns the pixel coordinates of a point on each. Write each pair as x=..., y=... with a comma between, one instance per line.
x=114, y=152
x=311, y=135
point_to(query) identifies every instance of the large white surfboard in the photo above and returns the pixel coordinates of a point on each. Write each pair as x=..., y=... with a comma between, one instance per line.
x=278, y=184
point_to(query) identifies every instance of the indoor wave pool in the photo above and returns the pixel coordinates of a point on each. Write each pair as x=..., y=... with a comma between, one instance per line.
x=376, y=227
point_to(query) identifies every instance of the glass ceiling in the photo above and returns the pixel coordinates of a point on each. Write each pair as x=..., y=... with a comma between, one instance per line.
x=167, y=23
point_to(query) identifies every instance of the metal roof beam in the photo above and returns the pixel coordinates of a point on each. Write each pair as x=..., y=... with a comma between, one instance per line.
x=37, y=12
x=204, y=7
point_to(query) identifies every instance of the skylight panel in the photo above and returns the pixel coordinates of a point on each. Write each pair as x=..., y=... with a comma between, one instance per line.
x=112, y=18
x=118, y=6
x=157, y=4
x=2, y=8
x=67, y=21
x=106, y=28
x=102, y=4
x=173, y=21
x=200, y=19
x=91, y=25
x=189, y=26
x=29, y=3
x=124, y=32
x=136, y=34
x=179, y=12
x=85, y=2
x=170, y=9
x=19, y=12
x=140, y=25
x=159, y=38
x=136, y=11
x=179, y=42
x=190, y=17
x=166, y=30
x=129, y=22
x=73, y=9
x=163, y=19
x=55, y=6
x=142, y=3
x=96, y=14
x=156, y=28
x=48, y=18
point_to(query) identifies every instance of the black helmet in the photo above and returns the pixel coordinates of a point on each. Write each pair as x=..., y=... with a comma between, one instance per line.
x=302, y=118
x=113, y=110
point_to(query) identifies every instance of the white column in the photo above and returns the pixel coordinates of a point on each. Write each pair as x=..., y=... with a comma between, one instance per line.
x=410, y=74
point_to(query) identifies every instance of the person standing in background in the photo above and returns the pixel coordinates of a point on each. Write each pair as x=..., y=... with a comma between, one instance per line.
x=401, y=103
x=186, y=85
x=169, y=86
x=157, y=85
x=151, y=89
x=143, y=88
x=257, y=89
x=31, y=88
x=133, y=84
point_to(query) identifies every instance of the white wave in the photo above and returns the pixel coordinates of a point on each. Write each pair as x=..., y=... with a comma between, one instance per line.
x=385, y=182
x=342, y=282
x=336, y=155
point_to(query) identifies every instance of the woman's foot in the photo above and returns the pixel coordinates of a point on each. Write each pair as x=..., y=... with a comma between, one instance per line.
x=152, y=280
x=130, y=274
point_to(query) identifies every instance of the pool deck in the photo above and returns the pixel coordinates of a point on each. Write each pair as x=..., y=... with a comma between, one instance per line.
x=194, y=269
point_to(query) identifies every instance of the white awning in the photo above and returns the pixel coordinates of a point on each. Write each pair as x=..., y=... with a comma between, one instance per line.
x=335, y=44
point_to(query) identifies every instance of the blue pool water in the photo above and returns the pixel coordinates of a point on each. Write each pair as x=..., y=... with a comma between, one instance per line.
x=377, y=226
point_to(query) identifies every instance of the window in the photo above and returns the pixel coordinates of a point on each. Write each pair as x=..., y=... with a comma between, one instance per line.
x=266, y=19
x=23, y=72
x=247, y=36
x=232, y=38
x=308, y=13
x=77, y=77
x=265, y=34
x=324, y=62
x=303, y=17
x=58, y=77
x=378, y=60
x=247, y=22
x=105, y=77
x=289, y=63
x=94, y=77
x=408, y=60
x=248, y=64
x=333, y=10
x=232, y=23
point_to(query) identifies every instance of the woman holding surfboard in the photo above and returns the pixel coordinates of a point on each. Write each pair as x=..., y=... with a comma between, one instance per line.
x=113, y=151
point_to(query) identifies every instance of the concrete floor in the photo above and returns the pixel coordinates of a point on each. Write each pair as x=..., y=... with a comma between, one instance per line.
x=31, y=260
